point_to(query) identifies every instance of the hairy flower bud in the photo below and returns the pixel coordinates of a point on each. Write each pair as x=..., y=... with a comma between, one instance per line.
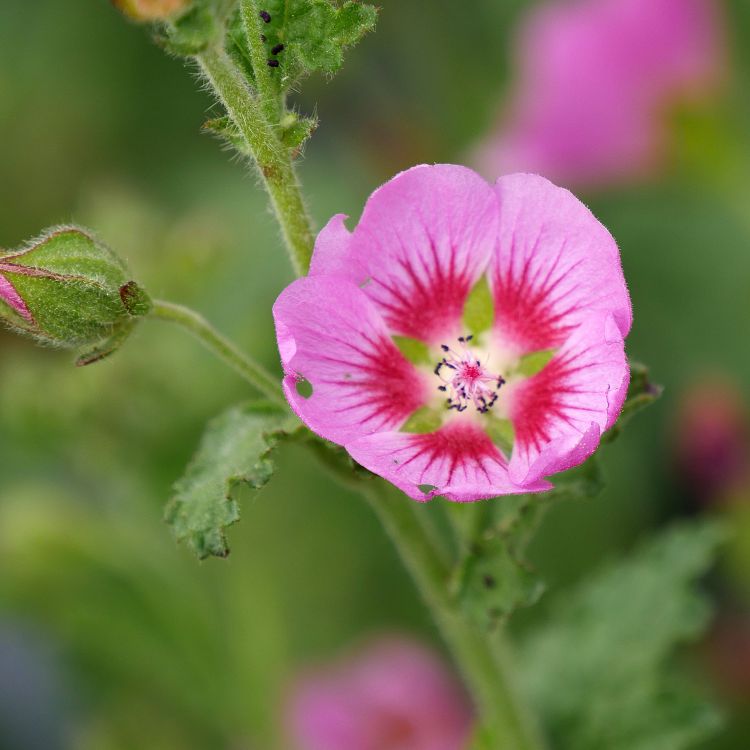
x=151, y=10
x=66, y=289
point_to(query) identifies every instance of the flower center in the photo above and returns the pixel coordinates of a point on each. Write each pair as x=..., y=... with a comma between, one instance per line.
x=465, y=379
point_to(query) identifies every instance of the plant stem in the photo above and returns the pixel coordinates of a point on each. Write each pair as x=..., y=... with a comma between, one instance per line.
x=267, y=92
x=273, y=159
x=222, y=347
x=485, y=666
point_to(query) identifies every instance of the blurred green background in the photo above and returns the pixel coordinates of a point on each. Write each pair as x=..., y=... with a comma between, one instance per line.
x=111, y=636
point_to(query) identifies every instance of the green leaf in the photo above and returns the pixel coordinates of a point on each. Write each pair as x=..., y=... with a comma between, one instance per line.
x=414, y=350
x=602, y=669
x=530, y=364
x=641, y=393
x=479, y=310
x=295, y=130
x=235, y=448
x=493, y=579
x=224, y=129
x=315, y=34
x=423, y=420
x=191, y=33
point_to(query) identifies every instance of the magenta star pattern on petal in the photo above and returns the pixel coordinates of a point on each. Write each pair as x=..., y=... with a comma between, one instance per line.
x=422, y=393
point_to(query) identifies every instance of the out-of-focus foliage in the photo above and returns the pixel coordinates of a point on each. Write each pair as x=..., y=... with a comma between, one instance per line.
x=598, y=668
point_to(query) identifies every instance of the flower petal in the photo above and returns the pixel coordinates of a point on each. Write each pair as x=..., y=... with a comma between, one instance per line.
x=554, y=266
x=560, y=413
x=10, y=296
x=424, y=239
x=459, y=461
x=332, y=255
x=331, y=335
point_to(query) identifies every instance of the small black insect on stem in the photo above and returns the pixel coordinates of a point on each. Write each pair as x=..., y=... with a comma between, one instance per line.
x=265, y=15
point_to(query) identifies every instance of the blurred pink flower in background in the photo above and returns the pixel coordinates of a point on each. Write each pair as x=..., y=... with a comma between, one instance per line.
x=392, y=695
x=594, y=81
x=713, y=439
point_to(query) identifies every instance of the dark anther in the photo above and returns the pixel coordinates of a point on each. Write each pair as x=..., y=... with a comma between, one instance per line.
x=273, y=63
x=262, y=37
x=444, y=347
x=265, y=15
x=442, y=388
x=469, y=338
x=461, y=339
x=278, y=48
x=437, y=368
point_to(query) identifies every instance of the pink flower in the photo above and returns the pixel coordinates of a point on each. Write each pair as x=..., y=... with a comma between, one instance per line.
x=426, y=239
x=394, y=695
x=594, y=81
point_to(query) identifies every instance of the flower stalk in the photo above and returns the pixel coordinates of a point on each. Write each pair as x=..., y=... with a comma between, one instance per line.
x=250, y=113
x=485, y=664
x=222, y=347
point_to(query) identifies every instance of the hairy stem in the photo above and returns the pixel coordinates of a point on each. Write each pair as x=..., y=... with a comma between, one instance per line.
x=273, y=159
x=270, y=99
x=222, y=347
x=486, y=666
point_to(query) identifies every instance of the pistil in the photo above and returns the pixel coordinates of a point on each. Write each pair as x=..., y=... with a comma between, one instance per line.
x=466, y=380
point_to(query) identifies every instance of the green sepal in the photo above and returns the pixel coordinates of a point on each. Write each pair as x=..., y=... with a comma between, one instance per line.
x=479, y=309
x=108, y=346
x=224, y=129
x=500, y=431
x=76, y=291
x=295, y=130
x=236, y=448
x=423, y=420
x=531, y=364
x=135, y=299
x=416, y=351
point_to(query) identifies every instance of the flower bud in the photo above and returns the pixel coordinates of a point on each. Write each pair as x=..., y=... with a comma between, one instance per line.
x=713, y=440
x=151, y=10
x=68, y=290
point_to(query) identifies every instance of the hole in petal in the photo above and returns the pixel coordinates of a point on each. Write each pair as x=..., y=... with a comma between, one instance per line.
x=426, y=488
x=304, y=388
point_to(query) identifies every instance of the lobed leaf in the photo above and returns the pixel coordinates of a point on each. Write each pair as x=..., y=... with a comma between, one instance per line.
x=236, y=448
x=304, y=36
x=494, y=579
x=601, y=670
